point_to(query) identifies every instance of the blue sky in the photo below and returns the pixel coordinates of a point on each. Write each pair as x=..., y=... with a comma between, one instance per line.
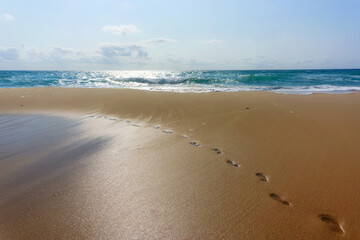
x=180, y=35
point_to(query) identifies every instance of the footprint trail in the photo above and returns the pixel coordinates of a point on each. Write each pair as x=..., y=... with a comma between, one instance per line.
x=330, y=221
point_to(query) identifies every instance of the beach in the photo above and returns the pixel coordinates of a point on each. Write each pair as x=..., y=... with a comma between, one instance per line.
x=79, y=163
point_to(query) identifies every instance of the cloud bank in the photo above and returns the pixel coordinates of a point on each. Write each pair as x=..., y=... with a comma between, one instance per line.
x=122, y=53
x=9, y=54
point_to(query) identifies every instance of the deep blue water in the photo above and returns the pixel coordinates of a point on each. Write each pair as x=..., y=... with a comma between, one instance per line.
x=284, y=81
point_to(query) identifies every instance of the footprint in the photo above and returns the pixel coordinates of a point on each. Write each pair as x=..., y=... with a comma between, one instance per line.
x=218, y=151
x=136, y=125
x=128, y=121
x=262, y=177
x=157, y=127
x=332, y=223
x=167, y=131
x=232, y=163
x=195, y=144
x=279, y=199
x=88, y=116
x=112, y=119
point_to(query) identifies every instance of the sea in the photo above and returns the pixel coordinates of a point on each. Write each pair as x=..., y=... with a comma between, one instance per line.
x=280, y=81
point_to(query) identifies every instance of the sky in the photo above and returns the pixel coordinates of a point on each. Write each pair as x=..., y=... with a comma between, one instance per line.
x=179, y=35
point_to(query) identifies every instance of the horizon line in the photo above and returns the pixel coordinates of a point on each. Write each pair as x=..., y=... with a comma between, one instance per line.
x=209, y=70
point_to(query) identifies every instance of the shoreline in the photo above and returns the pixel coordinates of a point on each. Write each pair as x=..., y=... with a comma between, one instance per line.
x=255, y=164
x=293, y=92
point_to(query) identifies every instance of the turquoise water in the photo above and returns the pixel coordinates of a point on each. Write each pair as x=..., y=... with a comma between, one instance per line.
x=283, y=81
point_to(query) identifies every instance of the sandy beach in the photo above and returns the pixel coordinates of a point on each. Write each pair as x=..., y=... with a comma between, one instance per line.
x=131, y=164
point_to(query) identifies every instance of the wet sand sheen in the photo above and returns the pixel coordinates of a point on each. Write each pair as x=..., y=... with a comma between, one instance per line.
x=256, y=173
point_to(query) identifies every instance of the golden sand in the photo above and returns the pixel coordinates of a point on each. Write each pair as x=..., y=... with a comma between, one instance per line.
x=128, y=164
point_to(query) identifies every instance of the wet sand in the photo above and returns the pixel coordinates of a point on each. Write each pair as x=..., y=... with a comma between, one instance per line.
x=128, y=164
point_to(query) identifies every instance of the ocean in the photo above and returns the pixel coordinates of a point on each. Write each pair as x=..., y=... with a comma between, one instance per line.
x=281, y=81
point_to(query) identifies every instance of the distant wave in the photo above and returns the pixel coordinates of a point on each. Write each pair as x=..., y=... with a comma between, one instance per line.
x=282, y=81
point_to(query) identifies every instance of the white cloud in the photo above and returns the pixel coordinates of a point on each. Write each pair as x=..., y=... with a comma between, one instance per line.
x=7, y=17
x=9, y=54
x=52, y=54
x=59, y=53
x=106, y=53
x=107, y=56
x=212, y=41
x=119, y=53
x=121, y=30
x=159, y=40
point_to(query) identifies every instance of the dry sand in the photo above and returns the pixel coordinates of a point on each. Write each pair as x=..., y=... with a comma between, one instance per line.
x=128, y=164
